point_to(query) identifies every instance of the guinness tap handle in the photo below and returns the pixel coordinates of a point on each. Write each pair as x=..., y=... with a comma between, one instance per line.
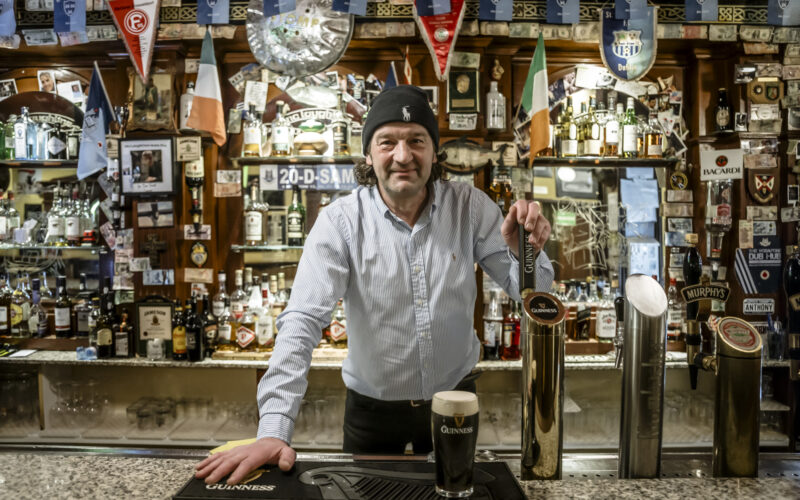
x=527, y=263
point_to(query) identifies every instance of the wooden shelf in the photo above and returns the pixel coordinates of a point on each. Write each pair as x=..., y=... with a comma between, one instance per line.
x=66, y=251
x=300, y=160
x=264, y=248
x=39, y=163
x=269, y=254
x=598, y=162
x=736, y=136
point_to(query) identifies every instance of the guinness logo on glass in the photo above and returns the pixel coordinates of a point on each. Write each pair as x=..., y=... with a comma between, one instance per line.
x=459, y=419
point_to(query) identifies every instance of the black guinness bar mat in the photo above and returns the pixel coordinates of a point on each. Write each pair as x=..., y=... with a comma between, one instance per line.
x=354, y=481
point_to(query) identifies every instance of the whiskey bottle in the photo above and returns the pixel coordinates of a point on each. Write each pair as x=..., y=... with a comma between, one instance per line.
x=218, y=304
x=495, y=109
x=340, y=125
x=569, y=132
x=103, y=330
x=253, y=217
x=123, y=338
x=281, y=134
x=210, y=329
x=20, y=309
x=37, y=322
x=511, y=329
x=295, y=220
x=81, y=308
x=178, y=334
x=338, y=327
x=611, y=129
x=194, y=331
x=654, y=139
x=593, y=136
x=63, y=309
x=238, y=297
x=606, y=317
x=265, y=329
x=674, y=312
x=722, y=113
x=246, y=331
x=5, y=309
x=251, y=145
x=630, y=132
x=225, y=328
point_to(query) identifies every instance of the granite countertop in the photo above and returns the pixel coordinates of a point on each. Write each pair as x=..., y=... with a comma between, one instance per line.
x=58, y=475
x=324, y=362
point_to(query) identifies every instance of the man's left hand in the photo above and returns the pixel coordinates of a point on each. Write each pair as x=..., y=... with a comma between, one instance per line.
x=528, y=213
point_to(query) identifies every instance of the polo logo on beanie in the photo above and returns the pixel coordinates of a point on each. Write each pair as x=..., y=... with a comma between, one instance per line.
x=406, y=114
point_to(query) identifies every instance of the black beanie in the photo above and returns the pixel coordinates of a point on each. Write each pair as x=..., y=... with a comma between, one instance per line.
x=404, y=103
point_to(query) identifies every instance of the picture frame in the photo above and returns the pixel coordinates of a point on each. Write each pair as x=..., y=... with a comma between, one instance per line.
x=47, y=80
x=433, y=97
x=153, y=320
x=147, y=166
x=152, y=103
x=463, y=94
x=740, y=122
x=152, y=214
x=7, y=88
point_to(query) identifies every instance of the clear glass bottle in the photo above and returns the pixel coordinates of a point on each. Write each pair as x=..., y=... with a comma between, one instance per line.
x=246, y=332
x=265, y=329
x=21, y=132
x=495, y=109
x=630, y=132
x=606, y=317
x=56, y=221
x=569, y=132
x=611, y=129
x=72, y=221
x=12, y=218
x=225, y=328
x=340, y=125
x=492, y=326
x=37, y=321
x=238, y=297
x=253, y=217
x=8, y=127
x=43, y=133
x=251, y=144
x=63, y=309
x=20, y=310
x=281, y=133
x=186, y=106
x=3, y=220
x=593, y=134
x=218, y=305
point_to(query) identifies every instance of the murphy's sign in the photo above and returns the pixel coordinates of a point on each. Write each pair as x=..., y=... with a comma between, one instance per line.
x=628, y=46
x=694, y=293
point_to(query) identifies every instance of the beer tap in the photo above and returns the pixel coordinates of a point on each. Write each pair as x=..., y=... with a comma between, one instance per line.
x=718, y=219
x=619, y=308
x=692, y=272
x=542, y=345
x=195, y=177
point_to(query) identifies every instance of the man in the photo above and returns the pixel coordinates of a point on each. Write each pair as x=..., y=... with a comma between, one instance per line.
x=400, y=250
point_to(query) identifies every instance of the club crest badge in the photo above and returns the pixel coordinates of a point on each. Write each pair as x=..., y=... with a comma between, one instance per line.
x=628, y=46
x=761, y=184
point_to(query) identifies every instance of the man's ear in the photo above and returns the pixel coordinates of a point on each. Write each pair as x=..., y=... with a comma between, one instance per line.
x=368, y=159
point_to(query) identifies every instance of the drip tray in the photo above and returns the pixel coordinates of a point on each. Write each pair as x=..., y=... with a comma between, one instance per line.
x=355, y=481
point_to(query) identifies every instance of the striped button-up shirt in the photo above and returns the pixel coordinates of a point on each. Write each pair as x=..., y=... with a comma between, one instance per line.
x=409, y=298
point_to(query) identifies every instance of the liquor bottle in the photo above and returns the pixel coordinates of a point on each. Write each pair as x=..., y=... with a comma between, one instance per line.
x=37, y=322
x=8, y=128
x=580, y=122
x=611, y=129
x=72, y=221
x=495, y=109
x=57, y=143
x=43, y=133
x=338, y=327
x=3, y=220
x=511, y=326
x=225, y=328
x=246, y=331
x=281, y=134
x=104, y=333
x=265, y=328
x=56, y=221
x=81, y=309
x=282, y=297
x=210, y=330
x=12, y=217
x=238, y=297
x=123, y=338
x=20, y=310
x=654, y=139
x=606, y=317
x=186, y=106
x=5, y=309
x=295, y=220
x=253, y=217
x=63, y=309
x=178, y=334
x=218, y=304
x=492, y=326
x=24, y=137
x=722, y=113
x=97, y=311
x=630, y=131
x=556, y=133
x=194, y=331
x=251, y=145
x=340, y=126
x=593, y=139
x=569, y=132
x=674, y=312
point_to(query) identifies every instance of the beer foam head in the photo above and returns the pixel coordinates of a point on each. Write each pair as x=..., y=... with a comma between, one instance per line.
x=452, y=403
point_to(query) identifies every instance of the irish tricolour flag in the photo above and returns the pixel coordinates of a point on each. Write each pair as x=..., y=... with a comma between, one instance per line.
x=207, y=103
x=535, y=102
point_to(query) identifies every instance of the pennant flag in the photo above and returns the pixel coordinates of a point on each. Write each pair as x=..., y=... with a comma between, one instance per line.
x=432, y=7
x=69, y=16
x=495, y=10
x=213, y=11
x=702, y=10
x=406, y=68
x=440, y=33
x=275, y=7
x=137, y=21
x=8, y=23
x=563, y=11
x=207, y=103
x=783, y=12
x=391, y=78
x=535, y=100
x=628, y=46
x=93, y=156
x=630, y=9
x=357, y=7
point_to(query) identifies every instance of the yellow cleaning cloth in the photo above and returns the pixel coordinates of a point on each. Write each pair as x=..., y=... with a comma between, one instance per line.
x=231, y=445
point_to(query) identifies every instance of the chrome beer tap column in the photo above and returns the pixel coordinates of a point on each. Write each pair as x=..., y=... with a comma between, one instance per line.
x=542, y=344
x=643, y=378
x=791, y=284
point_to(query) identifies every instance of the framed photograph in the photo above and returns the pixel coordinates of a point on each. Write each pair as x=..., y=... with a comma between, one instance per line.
x=155, y=214
x=433, y=98
x=462, y=91
x=147, y=167
x=153, y=319
x=740, y=123
x=47, y=80
x=151, y=107
x=7, y=88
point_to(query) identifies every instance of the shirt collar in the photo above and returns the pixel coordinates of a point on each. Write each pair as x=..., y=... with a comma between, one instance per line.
x=426, y=213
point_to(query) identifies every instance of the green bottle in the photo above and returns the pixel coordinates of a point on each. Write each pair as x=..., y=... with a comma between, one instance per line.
x=630, y=132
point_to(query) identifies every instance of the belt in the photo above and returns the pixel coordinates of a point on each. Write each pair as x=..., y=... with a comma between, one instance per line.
x=466, y=383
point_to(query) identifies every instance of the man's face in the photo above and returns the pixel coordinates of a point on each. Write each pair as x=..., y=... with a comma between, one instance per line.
x=462, y=83
x=401, y=155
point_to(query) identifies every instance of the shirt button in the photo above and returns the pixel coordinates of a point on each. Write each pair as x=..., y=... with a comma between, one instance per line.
x=416, y=269
x=419, y=302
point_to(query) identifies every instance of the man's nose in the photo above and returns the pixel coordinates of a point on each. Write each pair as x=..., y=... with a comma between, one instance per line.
x=402, y=153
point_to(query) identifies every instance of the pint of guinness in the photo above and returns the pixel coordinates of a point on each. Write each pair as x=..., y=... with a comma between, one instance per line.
x=454, y=426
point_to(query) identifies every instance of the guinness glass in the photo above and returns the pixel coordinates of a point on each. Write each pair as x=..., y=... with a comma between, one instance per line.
x=454, y=426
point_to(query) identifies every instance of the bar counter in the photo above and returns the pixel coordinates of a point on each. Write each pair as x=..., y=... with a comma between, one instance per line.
x=104, y=473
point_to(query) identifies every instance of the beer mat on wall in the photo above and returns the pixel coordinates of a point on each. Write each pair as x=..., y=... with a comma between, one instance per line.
x=355, y=480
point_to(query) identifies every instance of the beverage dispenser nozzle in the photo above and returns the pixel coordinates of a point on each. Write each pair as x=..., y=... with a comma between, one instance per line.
x=619, y=308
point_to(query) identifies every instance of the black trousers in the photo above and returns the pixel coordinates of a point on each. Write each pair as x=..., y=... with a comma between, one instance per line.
x=373, y=426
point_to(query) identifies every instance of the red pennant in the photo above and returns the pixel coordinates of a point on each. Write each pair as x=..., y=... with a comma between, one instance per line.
x=137, y=21
x=439, y=33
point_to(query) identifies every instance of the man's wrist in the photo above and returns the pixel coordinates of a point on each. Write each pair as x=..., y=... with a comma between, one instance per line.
x=276, y=425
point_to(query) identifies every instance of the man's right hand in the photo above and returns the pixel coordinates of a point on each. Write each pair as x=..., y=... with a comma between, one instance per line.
x=241, y=460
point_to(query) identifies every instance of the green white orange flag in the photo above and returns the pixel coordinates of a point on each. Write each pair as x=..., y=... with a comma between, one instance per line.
x=535, y=100
x=207, y=103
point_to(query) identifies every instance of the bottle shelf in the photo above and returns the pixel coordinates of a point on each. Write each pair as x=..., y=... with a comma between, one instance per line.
x=264, y=248
x=299, y=160
x=39, y=163
x=66, y=251
x=269, y=254
x=599, y=162
x=735, y=136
